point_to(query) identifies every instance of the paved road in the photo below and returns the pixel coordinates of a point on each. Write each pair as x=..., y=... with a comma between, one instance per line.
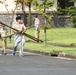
x=36, y=64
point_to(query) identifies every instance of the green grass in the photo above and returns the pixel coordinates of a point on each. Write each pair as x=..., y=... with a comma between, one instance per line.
x=58, y=35
x=66, y=36
x=62, y=35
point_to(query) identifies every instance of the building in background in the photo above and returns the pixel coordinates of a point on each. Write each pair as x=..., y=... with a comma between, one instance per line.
x=56, y=22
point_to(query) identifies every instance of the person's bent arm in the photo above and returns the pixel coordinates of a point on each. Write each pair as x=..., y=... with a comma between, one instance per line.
x=24, y=30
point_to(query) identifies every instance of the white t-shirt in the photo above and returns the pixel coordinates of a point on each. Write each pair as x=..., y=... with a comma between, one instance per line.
x=37, y=23
x=19, y=27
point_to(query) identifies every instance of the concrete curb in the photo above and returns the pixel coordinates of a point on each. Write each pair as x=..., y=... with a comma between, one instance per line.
x=55, y=53
x=70, y=56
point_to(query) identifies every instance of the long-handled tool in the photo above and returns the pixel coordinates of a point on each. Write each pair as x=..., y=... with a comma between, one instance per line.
x=27, y=35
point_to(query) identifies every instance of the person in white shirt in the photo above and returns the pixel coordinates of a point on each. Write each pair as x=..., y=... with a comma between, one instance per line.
x=3, y=32
x=37, y=26
x=19, y=38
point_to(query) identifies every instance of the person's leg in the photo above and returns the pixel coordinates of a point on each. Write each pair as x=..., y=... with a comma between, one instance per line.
x=16, y=41
x=21, y=46
x=38, y=35
x=14, y=51
x=35, y=33
x=4, y=46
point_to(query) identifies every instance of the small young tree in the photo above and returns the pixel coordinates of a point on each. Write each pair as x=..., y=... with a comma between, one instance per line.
x=13, y=12
x=21, y=4
x=41, y=7
x=27, y=3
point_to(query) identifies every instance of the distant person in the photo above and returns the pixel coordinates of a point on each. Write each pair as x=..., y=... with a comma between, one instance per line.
x=37, y=26
x=19, y=38
x=0, y=31
x=3, y=32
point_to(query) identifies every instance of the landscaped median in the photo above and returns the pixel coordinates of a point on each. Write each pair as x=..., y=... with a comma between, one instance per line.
x=60, y=42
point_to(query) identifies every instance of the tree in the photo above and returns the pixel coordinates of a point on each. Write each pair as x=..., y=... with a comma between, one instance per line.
x=27, y=3
x=3, y=2
x=73, y=0
x=13, y=12
x=22, y=3
x=71, y=11
x=41, y=9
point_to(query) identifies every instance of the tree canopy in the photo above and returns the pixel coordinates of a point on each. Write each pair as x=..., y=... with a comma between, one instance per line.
x=23, y=1
x=71, y=11
x=41, y=7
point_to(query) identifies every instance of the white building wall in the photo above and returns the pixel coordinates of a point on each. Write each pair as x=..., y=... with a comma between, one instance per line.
x=54, y=7
x=11, y=6
x=10, y=3
x=75, y=4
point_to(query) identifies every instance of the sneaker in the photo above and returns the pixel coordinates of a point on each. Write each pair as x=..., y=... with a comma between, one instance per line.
x=5, y=53
x=13, y=54
x=20, y=55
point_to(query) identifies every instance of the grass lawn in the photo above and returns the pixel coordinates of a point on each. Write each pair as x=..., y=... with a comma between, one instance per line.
x=66, y=36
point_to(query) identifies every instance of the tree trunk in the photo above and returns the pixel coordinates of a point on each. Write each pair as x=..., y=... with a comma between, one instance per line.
x=24, y=14
x=29, y=19
x=45, y=23
x=44, y=36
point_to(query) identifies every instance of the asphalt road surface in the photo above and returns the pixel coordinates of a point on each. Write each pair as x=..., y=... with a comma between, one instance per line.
x=36, y=64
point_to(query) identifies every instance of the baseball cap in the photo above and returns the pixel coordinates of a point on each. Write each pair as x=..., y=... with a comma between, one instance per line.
x=18, y=18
